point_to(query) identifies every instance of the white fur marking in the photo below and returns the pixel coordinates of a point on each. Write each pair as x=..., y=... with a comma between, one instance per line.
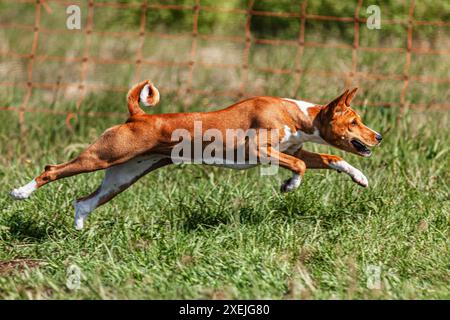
x=144, y=95
x=292, y=141
x=25, y=191
x=291, y=183
x=302, y=105
x=115, y=178
x=354, y=173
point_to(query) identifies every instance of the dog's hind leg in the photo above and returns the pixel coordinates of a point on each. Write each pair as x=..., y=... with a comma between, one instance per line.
x=112, y=148
x=86, y=162
x=116, y=180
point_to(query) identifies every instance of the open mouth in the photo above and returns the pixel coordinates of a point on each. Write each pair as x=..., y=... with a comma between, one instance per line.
x=361, y=148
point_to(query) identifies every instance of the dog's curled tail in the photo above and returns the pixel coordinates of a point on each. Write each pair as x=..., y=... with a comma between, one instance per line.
x=144, y=92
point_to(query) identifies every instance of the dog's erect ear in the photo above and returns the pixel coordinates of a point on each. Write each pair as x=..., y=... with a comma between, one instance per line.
x=350, y=96
x=338, y=104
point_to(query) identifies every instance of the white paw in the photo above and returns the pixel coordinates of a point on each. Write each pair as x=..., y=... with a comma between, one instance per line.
x=23, y=192
x=81, y=213
x=356, y=175
x=359, y=178
x=79, y=223
x=291, y=184
x=18, y=194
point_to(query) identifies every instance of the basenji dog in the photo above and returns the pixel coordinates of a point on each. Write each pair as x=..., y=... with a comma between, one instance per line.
x=145, y=142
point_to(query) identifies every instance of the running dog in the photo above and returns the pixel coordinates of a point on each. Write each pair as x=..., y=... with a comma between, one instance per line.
x=145, y=142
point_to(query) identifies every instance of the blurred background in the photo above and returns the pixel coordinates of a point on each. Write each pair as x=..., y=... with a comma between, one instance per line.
x=205, y=54
x=204, y=232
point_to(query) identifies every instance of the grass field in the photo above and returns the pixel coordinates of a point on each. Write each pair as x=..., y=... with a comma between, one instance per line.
x=203, y=232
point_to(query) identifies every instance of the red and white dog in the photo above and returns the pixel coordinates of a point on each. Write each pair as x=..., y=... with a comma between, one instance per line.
x=145, y=143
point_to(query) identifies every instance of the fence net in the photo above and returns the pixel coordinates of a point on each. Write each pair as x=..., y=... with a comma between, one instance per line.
x=44, y=64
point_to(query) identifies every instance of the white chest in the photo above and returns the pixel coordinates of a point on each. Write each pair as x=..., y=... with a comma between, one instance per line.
x=292, y=141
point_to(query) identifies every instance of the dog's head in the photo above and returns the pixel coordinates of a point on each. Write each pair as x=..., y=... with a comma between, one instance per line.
x=342, y=127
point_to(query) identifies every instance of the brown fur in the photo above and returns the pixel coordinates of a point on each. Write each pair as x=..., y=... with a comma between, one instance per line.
x=133, y=97
x=145, y=134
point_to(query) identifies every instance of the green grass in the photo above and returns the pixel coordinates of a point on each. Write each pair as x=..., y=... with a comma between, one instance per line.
x=204, y=232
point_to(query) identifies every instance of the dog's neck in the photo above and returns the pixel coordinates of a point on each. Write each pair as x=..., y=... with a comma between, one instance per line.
x=305, y=125
x=307, y=116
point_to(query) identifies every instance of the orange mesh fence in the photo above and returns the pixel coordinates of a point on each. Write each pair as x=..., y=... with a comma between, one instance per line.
x=246, y=38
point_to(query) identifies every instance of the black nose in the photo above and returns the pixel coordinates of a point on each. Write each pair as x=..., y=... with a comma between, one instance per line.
x=379, y=137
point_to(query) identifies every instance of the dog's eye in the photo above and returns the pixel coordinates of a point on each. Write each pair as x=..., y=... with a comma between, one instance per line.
x=354, y=123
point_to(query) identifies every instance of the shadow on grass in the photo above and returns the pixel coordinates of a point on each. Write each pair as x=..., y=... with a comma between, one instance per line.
x=297, y=206
x=199, y=214
x=192, y=218
x=25, y=229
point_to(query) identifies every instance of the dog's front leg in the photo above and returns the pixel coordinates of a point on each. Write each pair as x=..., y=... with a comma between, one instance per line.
x=297, y=166
x=327, y=161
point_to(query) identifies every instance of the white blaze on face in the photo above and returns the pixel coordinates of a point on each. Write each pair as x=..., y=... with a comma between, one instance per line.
x=25, y=191
x=354, y=173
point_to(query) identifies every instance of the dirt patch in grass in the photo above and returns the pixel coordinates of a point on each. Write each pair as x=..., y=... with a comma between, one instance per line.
x=18, y=265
